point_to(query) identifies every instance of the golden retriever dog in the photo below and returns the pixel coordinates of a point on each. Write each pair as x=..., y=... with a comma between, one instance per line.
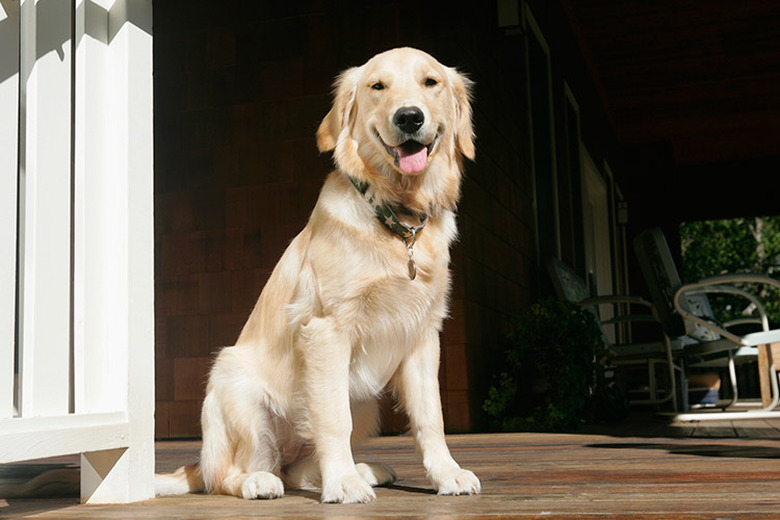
x=354, y=306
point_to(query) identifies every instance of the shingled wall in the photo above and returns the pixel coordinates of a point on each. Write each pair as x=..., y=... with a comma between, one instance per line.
x=239, y=92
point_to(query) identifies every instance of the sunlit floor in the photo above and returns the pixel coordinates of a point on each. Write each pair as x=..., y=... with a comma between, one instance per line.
x=632, y=470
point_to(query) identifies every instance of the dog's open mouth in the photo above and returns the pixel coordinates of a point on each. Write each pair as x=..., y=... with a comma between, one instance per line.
x=411, y=156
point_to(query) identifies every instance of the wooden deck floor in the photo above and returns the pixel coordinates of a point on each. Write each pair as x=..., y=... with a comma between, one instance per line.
x=648, y=471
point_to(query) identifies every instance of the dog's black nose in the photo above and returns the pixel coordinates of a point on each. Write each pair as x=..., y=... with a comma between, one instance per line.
x=409, y=119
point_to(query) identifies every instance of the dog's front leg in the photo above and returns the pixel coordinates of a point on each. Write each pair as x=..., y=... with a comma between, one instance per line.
x=418, y=388
x=326, y=353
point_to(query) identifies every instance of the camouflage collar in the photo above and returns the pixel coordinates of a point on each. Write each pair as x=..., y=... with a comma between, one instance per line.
x=387, y=217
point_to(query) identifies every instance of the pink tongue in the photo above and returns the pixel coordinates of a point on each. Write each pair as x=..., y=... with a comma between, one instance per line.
x=412, y=163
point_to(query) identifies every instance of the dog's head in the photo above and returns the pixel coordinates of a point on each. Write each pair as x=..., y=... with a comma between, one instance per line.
x=400, y=116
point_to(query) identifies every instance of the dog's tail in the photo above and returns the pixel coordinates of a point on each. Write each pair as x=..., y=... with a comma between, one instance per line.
x=186, y=479
x=215, y=460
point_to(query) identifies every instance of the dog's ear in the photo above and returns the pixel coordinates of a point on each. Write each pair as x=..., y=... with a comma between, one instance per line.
x=464, y=130
x=337, y=119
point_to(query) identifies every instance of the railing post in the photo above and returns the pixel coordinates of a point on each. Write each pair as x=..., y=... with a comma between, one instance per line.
x=84, y=314
x=44, y=241
x=9, y=142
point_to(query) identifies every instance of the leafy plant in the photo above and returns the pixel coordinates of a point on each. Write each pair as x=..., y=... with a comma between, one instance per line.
x=554, y=378
x=737, y=245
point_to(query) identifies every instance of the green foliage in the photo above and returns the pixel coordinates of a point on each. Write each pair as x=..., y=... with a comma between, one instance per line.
x=716, y=247
x=554, y=378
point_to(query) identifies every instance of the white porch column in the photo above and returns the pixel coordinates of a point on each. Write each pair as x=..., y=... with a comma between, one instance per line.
x=114, y=268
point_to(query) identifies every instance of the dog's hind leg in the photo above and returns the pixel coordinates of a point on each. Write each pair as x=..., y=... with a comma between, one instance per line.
x=256, y=463
x=240, y=457
x=305, y=473
x=251, y=485
x=365, y=423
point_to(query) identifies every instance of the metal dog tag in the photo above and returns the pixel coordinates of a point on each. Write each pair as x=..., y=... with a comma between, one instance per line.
x=412, y=266
x=410, y=249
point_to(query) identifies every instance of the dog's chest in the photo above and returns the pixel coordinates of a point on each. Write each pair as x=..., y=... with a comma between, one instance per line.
x=371, y=368
x=393, y=318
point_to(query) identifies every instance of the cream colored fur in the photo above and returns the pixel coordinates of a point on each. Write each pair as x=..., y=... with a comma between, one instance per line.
x=340, y=320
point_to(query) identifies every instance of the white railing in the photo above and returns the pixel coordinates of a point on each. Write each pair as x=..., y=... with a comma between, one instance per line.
x=76, y=240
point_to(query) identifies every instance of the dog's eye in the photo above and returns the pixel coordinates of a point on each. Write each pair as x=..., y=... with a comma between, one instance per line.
x=378, y=86
x=430, y=82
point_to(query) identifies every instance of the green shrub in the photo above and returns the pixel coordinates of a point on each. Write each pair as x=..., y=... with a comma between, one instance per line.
x=554, y=378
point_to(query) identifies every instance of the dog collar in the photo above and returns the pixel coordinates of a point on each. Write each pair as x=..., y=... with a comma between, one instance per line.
x=387, y=217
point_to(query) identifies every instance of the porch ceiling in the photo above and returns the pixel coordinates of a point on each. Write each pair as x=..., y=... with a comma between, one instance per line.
x=703, y=76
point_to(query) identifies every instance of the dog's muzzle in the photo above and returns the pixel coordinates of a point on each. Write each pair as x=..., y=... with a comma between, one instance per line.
x=411, y=156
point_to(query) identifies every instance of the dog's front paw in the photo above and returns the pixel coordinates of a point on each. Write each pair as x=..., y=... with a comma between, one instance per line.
x=376, y=474
x=352, y=489
x=262, y=485
x=458, y=482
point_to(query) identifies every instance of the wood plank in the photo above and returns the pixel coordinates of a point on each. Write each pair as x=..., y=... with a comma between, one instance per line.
x=715, y=429
x=757, y=429
x=763, y=375
x=524, y=475
x=775, y=349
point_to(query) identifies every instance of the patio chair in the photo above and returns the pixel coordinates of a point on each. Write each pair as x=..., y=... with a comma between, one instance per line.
x=571, y=287
x=687, y=318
